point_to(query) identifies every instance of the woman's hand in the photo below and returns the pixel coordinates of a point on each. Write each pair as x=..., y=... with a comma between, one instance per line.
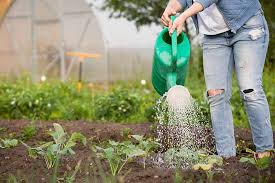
x=172, y=8
x=177, y=25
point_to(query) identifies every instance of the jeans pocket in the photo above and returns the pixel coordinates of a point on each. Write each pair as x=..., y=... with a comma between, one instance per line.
x=256, y=21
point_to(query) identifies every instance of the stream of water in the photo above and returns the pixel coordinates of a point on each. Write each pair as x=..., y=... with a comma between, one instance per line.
x=182, y=129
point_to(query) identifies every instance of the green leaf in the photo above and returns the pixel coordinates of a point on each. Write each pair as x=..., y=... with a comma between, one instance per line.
x=59, y=134
x=137, y=137
x=45, y=145
x=76, y=136
x=136, y=153
x=58, y=128
x=109, y=152
x=113, y=143
x=249, y=151
x=213, y=159
x=264, y=162
x=8, y=143
x=248, y=160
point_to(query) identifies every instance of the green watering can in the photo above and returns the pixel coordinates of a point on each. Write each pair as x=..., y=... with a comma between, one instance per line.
x=171, y=58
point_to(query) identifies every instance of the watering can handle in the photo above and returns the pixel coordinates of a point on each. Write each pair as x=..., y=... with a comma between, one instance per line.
x=174, y=46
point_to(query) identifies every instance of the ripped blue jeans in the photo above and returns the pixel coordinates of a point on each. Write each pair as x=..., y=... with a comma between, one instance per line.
x=245, y=52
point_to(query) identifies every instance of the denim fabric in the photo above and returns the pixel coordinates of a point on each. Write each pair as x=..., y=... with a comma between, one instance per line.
x=245, y=52
x=235, y=12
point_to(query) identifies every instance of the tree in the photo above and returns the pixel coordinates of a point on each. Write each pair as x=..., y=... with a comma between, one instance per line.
x=142, y=12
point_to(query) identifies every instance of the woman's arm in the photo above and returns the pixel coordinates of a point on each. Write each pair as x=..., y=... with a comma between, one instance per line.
x=172, y=8
x=198, y=6
x=179, y=21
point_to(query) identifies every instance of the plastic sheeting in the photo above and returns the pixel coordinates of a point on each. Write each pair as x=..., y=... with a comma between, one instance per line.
x=36, y=34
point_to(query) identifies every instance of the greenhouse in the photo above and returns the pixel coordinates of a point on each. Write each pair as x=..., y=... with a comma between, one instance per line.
x=37, y=35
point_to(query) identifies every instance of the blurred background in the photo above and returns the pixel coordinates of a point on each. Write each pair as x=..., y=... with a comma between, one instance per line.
x=38, y=35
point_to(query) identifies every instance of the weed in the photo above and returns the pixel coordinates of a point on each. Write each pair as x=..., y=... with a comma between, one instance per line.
x=126, y=133
x=28, y=132
x=3, y=129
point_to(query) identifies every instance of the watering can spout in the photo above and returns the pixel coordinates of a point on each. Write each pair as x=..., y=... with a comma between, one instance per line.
x=171, y=58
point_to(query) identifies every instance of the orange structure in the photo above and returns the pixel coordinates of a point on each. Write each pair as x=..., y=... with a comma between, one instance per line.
x=81, y=57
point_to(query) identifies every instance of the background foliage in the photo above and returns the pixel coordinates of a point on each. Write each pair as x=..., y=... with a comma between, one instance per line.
x=124, y=102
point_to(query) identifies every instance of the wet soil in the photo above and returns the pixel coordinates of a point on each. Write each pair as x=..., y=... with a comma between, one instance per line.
x=15, y=161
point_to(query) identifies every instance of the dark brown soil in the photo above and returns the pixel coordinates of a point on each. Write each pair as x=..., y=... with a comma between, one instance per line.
x=15, y=161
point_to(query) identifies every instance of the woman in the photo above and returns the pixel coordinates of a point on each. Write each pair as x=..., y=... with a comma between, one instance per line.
x=236, y=37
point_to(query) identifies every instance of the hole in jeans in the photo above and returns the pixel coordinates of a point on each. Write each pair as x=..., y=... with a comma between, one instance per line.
x=248, y=91
x=214, y=92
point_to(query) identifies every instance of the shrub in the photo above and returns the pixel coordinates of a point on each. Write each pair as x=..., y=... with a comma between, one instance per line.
x=118, y=105
x=27, y=103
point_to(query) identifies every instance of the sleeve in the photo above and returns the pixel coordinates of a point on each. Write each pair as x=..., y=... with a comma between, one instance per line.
x=183, y=3
x=206, y=3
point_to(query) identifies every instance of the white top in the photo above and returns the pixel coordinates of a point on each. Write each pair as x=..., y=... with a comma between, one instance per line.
x=211, y=21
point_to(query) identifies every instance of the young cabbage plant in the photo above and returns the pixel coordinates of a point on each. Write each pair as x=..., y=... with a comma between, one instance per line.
x=8, y=143
x=208, y=165
x=118, y=154
x=147, y=145
x=60, y=146
x=260, y=164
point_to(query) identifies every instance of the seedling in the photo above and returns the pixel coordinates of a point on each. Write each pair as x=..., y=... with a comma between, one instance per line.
x=146, y=145
x=28, y=132
x=119, y=153
x=53, y=150
x=208, y=165
x=260, y=164
x=8, y=143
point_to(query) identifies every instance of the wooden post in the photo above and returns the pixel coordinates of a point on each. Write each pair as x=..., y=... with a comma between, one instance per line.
x=81, y=57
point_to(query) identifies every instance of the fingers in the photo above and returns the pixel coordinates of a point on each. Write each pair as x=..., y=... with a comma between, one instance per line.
x=164, y=22
x=174, y=12
x=176, y=26
x=165, y=18
x=172, y=29
x=170, y=25
x=179, y=29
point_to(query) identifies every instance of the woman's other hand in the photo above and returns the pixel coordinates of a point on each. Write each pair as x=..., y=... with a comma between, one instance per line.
x=177, y=25
x=172, y=8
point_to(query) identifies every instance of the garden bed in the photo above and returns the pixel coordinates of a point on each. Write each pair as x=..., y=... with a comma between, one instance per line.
x=15, y=161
